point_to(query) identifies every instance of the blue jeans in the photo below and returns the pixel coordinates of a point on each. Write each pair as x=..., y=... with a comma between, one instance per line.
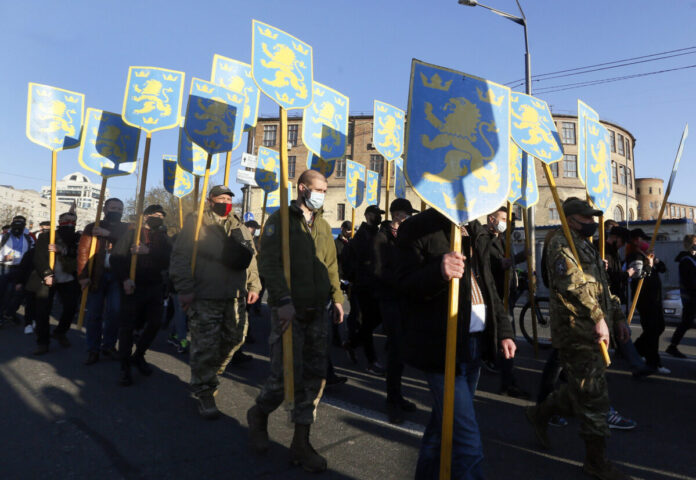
x=98, y=323
x=467, y=450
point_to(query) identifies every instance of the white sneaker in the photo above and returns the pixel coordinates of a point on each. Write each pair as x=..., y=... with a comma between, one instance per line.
x=664, y=370
x=28, y=329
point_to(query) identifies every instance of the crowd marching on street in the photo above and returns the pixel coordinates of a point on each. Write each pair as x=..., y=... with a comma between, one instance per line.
x=393, y=273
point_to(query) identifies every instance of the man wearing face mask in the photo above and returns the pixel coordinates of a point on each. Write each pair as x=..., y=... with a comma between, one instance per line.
x=14, y=244
x=216, y=294
x=104, y=290
x=313, y=284
x=583, y=310
x=358, y=258
x=386, y=262
x=142, y=300
x=687, y=288
x=46, y=282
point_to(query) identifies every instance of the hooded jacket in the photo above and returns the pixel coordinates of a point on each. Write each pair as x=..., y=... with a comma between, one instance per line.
x=687, y=276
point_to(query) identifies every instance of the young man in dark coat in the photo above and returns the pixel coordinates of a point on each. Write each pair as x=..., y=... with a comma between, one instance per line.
x=426, y=265
x=687, y=288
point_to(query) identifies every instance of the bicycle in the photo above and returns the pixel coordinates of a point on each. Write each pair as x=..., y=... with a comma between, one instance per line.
x=541, y=307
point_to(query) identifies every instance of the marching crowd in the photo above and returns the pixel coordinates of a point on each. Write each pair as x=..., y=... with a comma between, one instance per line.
x=395, y=273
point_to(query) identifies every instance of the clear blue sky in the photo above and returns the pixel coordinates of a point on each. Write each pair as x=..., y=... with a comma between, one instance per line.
x=361, y=48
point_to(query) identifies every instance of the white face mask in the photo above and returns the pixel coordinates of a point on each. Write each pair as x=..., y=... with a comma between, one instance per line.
x=315, y=200
x=501, y=227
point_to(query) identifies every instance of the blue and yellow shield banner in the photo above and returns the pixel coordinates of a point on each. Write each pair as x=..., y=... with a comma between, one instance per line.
x=598, y=164
x=193, y=158
x=457, y=157
x=153, y=98
x=281, y=66
x=214, y=116
x=372, y=187
x=325, y=167
x=399, y=179
x=325, y=123
x=177, y=181
x=584, y=112
x=515, y=173
x=530, y=190
x=355, y=183
x=54, y=117
x=388, y=130
x=273, y=200
x=236, y=76
x=109, y=147
x=533, y=129
x=267, y=173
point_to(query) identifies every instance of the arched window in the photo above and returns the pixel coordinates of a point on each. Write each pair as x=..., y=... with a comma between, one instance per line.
x=618, y=214
x=630, y=215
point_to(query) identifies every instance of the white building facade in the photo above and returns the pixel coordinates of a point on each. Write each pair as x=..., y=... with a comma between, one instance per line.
x=76, y=187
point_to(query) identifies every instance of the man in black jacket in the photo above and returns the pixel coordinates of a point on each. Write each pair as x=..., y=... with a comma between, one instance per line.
x=386, y=259
x=358, y=264
x=426, y=265
x=143, y=300
x=687, y=288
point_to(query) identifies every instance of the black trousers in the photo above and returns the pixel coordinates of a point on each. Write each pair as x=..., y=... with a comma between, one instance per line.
x=371, y=318
x=68, y=293
x=687, y=322
x=652, y=319
x=550, y=375
x=142, y=309
x=392, y=316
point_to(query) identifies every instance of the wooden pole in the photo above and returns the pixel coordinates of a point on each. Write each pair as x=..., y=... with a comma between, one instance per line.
x=263, y=209
x=423, y=206
x=180, y=202
x=139, y=205
x=199, y=219
x=508, y=254
x=569, y=238
x=92, y=250
x=532, y=284
x=52, y=218
x=228, y=164
x=450, y=364
x=352, y=223
x=602, y=237
x=386, y=196
x=288, y=364
x=196, y=192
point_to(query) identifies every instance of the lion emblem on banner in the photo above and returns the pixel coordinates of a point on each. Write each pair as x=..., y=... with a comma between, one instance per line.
x=288, y=70
x=154, y=97
x=58, y=116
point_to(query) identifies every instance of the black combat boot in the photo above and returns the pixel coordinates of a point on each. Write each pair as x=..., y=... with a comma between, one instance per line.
x=302, y=452
x=258, y=429
x=126, y=379
x=539, y=416
x=143, y=367
x=596, y=462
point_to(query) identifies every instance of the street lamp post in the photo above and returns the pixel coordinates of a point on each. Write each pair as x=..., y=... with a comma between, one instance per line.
x=521, y=20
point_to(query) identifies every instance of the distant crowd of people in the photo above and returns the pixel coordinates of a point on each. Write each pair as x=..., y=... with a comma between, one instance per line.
x=395, y=273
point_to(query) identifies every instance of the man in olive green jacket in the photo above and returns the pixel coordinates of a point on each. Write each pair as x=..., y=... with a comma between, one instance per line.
x=216, y=294
x=314, y=283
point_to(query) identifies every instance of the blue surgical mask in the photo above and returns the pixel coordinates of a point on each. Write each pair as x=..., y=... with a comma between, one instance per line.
x=315, y=200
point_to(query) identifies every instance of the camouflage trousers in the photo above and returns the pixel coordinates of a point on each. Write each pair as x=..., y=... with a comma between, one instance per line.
x=217, y=328
x=309, y=344
x=585, y=395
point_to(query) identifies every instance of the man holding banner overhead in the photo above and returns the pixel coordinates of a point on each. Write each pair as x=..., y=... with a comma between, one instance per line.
x=216, y=293
x=313, y=284
x=583, y=311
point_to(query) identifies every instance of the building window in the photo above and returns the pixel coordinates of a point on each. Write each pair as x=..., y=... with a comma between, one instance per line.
x=628, y=149
x=620, y=145
x=630, y=215
x=614, y=173
x=291, y=166
x=292, y=134
x=269, y=135
x=673, y=211
x=570, y=165
x=650, y=190
x=622, y=175
x=683, y=212
x=659, y=191
x=568, y=133
x=341, y=211
x=554, y=169
x=638, y=190
x=341, y=168
x=630, y=178
x=518, y=212
x=351, y=132
x=377, y=164
x=618, y=214
x=553, y=213
x=612, y=138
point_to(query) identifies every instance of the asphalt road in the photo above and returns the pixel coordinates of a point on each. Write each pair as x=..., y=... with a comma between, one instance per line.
x=60, y=419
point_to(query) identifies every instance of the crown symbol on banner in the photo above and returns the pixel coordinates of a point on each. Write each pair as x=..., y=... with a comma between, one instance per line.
x=43, y=93
x=382, y=108
x=142, y=73
x=267, y=32
x=202, y=87
x=490, y=97
x=435, y=82
x=298, y=47
x=171, y=78
x=339, y=101
x=228, y=67
x=593, y=130
x=72, y=99
x=150, y=120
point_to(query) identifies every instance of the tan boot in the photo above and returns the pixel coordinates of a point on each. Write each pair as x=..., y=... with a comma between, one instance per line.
x=539, y=416
x=258, y=429
x=303, y=453
x=596, y=462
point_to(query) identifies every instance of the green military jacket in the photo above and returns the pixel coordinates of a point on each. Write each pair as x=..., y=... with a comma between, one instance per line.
x=313, y=265
x=213, y=279
x=578, y=299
